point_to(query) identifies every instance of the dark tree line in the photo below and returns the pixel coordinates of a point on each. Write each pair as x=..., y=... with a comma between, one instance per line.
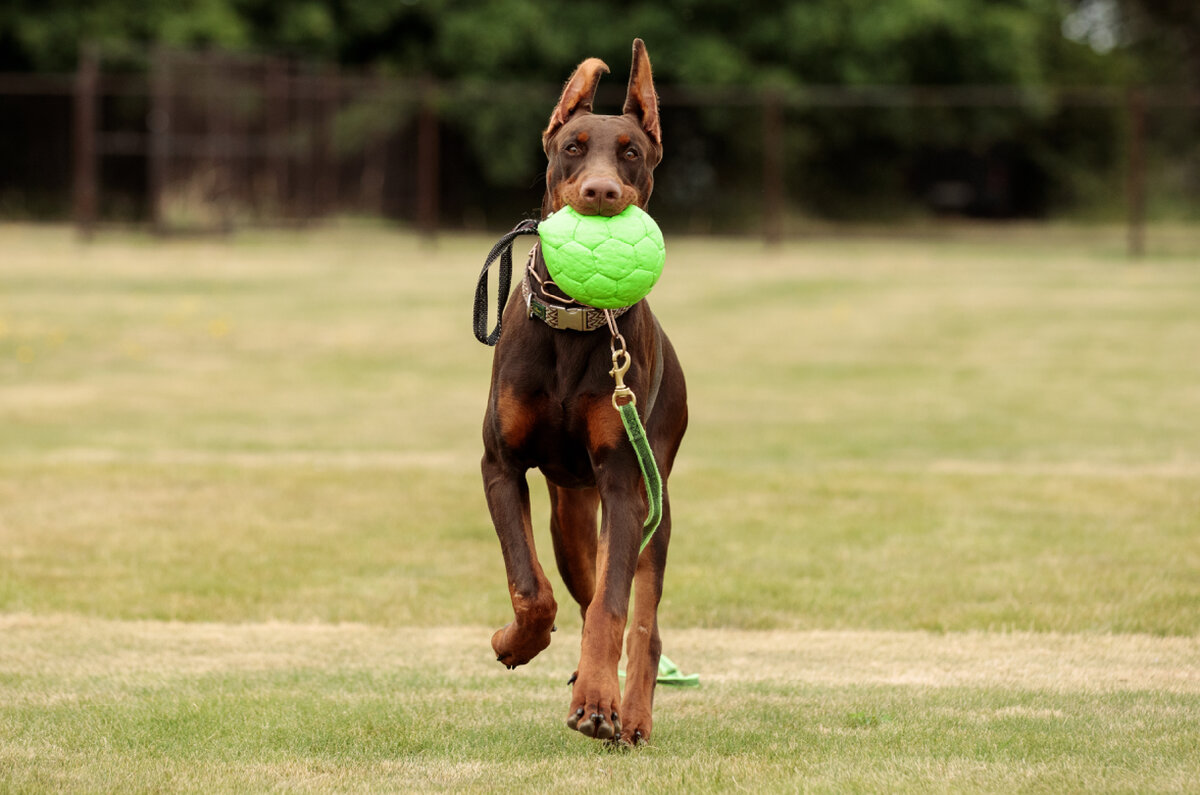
x=840, y=161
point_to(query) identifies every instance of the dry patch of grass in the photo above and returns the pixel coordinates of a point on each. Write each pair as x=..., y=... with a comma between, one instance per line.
x=94, y=704
x=70, y=647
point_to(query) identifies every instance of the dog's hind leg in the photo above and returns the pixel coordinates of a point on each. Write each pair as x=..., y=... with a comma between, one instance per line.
x=573, y=529
x=533, y=602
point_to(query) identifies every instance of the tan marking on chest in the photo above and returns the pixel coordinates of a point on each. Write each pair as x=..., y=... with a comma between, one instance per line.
x=604, y=428
x=517, y=417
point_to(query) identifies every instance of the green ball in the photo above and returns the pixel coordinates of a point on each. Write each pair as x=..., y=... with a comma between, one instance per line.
x=603, y=262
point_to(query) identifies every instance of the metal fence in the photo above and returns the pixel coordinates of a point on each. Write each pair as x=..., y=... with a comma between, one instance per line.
x=211, y=141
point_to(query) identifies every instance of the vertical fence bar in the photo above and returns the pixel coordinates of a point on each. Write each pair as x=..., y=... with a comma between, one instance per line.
x=278, y=144
x=223, y=90
x=158, y=127
x=374, y=171
x=1136, y=175
x=773, y=186
x=86, y=121
x=312, y=120
x=427, y=161
x=326, y=99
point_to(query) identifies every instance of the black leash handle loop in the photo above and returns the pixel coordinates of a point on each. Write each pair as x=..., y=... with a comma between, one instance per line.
x=503, y=250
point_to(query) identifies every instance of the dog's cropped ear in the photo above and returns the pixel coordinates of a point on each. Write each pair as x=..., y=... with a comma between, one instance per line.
x=641, y=101
x=577, y=96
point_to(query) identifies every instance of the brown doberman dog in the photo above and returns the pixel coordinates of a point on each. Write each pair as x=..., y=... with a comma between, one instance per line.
x=550, y=407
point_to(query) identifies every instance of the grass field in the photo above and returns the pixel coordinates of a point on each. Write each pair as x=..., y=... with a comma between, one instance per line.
x=937, y=520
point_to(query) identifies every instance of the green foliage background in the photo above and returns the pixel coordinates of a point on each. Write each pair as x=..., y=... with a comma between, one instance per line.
x=842, y=162
x=696, y=41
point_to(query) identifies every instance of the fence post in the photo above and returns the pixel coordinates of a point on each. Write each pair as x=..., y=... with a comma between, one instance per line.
x=427, y=161
x=86, y=189
x=158, y=127
x=311, y=167
x=223, y=83
x=327, y=98
x=1136, y=175
x=773, y=187
x=374, y=170
x=278, y=146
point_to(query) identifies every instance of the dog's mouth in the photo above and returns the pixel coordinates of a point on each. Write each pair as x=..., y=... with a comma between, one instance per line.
x=607, y=212
x=606, y=197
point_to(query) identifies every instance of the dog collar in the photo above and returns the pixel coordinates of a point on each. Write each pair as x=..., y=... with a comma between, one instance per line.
x=570, y=318
x=559, y=316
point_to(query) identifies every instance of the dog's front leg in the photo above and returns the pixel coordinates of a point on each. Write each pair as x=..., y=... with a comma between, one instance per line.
x=596, y=698
x=533, y=602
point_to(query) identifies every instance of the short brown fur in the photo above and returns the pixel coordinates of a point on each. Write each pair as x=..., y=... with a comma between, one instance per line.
x=550, y=408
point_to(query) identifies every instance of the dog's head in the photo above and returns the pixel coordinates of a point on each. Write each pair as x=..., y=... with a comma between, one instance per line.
x=602, y=164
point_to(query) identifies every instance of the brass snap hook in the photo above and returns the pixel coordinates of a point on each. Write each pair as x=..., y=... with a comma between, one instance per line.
x=618, y=373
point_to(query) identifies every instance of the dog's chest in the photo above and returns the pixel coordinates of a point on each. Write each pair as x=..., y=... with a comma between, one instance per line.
x=547, y=430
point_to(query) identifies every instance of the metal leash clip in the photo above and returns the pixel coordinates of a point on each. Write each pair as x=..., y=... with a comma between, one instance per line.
x=618, y=374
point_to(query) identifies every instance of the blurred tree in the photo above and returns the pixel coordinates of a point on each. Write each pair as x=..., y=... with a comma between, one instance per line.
x=711, y=42
x=1168, y=33
x=497, y=47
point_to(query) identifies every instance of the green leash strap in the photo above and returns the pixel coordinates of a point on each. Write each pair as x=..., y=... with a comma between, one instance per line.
x=645, y=456
x=636, y=433
x=668, y=671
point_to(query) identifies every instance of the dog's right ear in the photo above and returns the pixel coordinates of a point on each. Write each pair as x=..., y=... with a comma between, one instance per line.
x=577, y=96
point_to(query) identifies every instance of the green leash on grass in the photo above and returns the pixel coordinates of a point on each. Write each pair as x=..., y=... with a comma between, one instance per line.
x=668, y=671
x=669, y=674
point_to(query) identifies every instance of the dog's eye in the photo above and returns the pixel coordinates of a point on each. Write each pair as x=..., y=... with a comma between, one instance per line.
x=572, y=148
x=631, y=154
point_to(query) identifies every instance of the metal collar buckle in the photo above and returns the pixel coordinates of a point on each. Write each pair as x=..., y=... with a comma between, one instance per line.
x=569, y=318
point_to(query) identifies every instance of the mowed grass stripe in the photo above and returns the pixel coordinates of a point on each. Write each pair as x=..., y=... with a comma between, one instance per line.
x=786, y=547
x=66, y=648
x=89, y=705
x=459, y=461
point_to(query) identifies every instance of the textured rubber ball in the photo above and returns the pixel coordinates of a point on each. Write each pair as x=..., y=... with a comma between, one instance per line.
x=605, y=262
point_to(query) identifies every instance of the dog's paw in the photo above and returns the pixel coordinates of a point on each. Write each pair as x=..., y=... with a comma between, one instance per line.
x=637, y=733
x=635, y=707
x=594, y=711
x=515, y=645
x=593, y=723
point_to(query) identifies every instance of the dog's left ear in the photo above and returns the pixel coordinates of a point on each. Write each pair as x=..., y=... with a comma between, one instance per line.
x=641, y=101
